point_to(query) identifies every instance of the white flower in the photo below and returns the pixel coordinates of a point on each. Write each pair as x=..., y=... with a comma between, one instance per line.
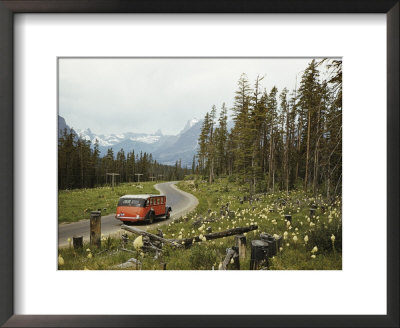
x=288, y=223
x=333, y=238
x=138, y=242
x=285, y=234
x=60, y=260
x=295, y=239
x=313, y=256
x=89, y=256
x=87, y=249
x=314, y=250
x=306, y=239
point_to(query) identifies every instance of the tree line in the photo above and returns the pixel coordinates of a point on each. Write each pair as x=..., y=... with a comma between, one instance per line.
x=280, y=139
x=81, y=166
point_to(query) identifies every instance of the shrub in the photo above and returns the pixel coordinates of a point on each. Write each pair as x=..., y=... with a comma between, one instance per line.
x=202, y=257
x=321, y=236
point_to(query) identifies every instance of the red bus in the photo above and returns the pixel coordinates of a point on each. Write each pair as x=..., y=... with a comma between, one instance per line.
x=132, y=208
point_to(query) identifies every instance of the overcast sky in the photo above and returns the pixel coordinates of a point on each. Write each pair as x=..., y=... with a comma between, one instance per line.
x=144, y=95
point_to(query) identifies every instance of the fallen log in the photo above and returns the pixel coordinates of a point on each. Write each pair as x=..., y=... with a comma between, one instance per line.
x=201, y=221
x=231, y=232
x=150, y=235
x=131, y=263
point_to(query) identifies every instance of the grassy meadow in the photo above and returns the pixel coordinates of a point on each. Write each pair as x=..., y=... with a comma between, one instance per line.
x=309, y=243
x=75, y=205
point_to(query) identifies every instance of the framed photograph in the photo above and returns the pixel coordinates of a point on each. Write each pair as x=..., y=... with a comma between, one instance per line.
x=182, y=165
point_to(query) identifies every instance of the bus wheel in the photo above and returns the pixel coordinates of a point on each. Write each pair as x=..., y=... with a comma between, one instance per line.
x=151, y=218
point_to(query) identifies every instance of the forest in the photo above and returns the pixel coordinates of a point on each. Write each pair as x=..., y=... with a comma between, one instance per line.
x=281, y=139
x=80, y=165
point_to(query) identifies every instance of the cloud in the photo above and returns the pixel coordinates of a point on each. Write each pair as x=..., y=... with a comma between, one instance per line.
x=146, y=94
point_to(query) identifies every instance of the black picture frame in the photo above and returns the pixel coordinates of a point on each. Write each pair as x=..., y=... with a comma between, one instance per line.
x=10, y=7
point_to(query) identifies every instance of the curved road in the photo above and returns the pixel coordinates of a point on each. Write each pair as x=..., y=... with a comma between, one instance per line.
x=180, y=201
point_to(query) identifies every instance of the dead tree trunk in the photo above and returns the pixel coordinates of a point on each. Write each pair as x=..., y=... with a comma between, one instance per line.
x=231, y=253
x=77, y=241
x=150, y=235
x=308, y=150
x=259, y=254
x=231, y=232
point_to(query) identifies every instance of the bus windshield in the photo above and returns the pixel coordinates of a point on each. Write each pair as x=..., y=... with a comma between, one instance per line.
x=136, y=202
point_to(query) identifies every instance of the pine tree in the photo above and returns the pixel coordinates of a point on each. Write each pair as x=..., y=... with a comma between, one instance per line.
x=310, y=101
x=221, y=137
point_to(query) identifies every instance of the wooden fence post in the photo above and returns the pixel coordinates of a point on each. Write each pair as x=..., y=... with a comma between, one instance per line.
x=259, y=254
x=288, y=217
x=240, y=243
x=312, y=212
x=95, y=228
x=77, y=241
x=236, y=262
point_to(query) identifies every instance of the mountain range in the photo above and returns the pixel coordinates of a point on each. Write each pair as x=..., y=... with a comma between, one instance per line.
x=166, y=149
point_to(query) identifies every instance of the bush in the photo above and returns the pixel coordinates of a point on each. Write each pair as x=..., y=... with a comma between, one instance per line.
x=322, y=237
x=232, y=179
x=202, y=257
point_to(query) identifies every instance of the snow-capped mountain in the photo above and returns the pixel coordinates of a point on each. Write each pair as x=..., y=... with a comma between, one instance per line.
x=166, y=149
x=113, y=139
x=189, y=124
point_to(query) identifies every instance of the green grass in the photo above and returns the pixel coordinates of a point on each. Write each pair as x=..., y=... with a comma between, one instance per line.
x=268, y=214
x=75, y=205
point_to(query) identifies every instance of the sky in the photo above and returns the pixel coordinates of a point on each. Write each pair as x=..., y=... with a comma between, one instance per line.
x=142, y=95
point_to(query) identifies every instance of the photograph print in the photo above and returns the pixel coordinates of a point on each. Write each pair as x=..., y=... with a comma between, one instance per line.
x=199, y=163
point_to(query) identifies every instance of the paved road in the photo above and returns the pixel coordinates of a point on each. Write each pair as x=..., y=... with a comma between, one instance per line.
x=180, y=201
